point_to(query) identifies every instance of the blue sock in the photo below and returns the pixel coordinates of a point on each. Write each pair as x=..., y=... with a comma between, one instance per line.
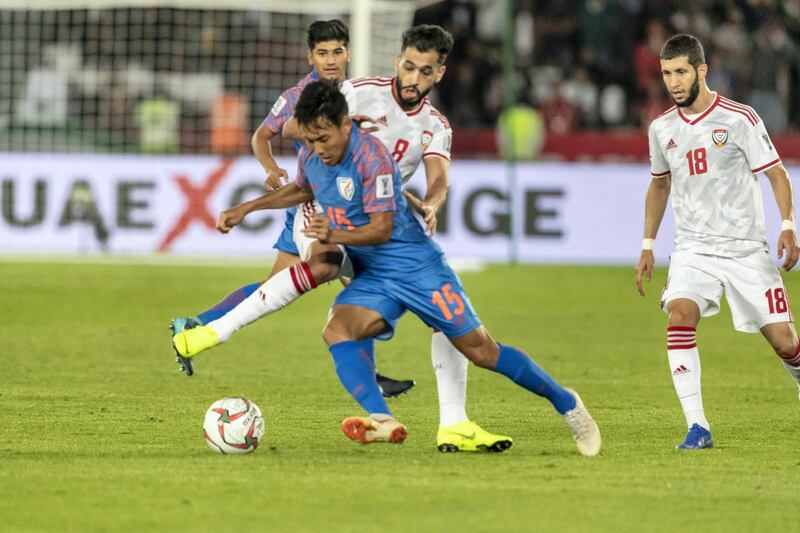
x=229, y=302
x=355, y=366
x=524, y=371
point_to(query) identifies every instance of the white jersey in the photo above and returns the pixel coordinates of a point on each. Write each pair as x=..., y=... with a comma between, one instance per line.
x=713, y=159
x=409, y=135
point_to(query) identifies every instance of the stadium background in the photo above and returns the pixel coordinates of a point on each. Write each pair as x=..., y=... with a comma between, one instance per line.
x=174, y=90
x=124, y=129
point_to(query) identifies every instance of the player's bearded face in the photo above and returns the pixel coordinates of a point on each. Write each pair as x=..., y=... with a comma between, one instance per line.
x=417, y=72
x=329, y=141
x=694, y=90
x=329, y=59
x=682, y=80
x=410, y=95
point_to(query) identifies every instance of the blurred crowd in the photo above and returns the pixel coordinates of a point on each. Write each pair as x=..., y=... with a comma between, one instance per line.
x=153, y=79
x=595, y=63
x=192, y=80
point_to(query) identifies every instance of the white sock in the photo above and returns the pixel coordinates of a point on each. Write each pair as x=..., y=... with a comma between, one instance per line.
x=276, y=293
x=684, y=362
x=793, y=371
x=450, y=367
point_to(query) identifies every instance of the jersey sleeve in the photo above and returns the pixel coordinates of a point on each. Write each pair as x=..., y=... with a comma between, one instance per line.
x=349, y=92
x=441, y=141
x=758, y=148
x=659, y=168
x=300, y=180
x=377, y=178
x=281, y=112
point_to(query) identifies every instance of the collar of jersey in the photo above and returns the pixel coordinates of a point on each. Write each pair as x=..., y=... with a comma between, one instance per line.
x=410, y=112
x=702, y=115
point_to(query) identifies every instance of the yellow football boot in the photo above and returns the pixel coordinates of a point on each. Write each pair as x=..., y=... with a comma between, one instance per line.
x=468, y=436
x=191, y=342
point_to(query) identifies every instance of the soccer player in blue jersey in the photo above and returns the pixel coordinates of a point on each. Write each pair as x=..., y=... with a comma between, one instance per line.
x=329, y=55
x=397, y=268
x=407, y=119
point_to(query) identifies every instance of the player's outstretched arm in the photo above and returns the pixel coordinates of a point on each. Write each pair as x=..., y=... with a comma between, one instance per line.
x=261, y=142
x=655, y=205
x=437, y=184
x=284, y=197
x=787, y=241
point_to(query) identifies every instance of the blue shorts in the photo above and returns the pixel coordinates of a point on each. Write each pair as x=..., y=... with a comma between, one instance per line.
x=285, y=242
x=436, y=296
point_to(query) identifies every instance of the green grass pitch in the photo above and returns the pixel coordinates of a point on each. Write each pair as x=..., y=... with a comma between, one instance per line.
x=101, y=433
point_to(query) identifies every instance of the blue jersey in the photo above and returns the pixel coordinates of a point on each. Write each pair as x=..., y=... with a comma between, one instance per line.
x=278, y=116
x=367, y=181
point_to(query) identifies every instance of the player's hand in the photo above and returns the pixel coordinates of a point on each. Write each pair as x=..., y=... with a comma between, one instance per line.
x=318, y=227
x=788, y=242
x=277, y=178
x=360, y=120
x=644, y=270
x=426, y=211
x=229, y=219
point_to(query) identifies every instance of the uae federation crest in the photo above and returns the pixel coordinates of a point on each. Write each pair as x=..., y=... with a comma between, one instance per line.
x=427, y=137
x=720, y=137
x=346, y=187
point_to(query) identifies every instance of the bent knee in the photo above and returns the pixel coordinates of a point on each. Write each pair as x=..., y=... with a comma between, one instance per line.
x=334, y=333
x=786, y=349
x=325, y=266
x=483, y=356
x=681, y=316
x=325, y=272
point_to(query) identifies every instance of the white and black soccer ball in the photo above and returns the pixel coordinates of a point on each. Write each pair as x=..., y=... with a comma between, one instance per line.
x=233, y=425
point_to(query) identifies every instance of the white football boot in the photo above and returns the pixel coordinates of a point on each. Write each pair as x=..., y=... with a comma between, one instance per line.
x=583, y=428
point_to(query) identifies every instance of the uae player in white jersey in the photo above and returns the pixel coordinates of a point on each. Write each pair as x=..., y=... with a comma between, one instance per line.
x=415, y=132
x=707, y=151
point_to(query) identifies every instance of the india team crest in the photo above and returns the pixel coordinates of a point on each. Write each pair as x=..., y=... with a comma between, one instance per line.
x=427, y=137
x=346, y=187
x=720, y=137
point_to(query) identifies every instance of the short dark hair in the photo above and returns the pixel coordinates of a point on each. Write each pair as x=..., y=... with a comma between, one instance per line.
x=428, y=36
x=327, y=30
x=321, y=100
x=684, y=45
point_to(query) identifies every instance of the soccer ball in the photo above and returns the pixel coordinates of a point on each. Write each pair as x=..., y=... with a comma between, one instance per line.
x=233, y=425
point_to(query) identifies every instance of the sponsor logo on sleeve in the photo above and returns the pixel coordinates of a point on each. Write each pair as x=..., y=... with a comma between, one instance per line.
x=279, y=104
x=384, y=188
x=720, y=137
x=346, y=187
x=767, y=144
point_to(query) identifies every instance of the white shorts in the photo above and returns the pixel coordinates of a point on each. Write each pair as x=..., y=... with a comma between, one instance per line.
x=305, y=212
x=753, y=287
